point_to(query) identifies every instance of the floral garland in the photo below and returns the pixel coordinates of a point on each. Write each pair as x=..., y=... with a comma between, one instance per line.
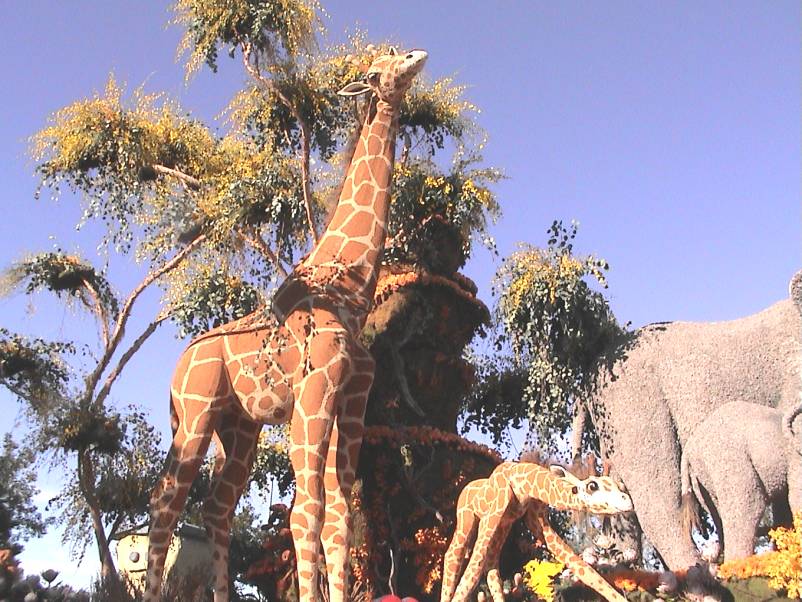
x=427, y=435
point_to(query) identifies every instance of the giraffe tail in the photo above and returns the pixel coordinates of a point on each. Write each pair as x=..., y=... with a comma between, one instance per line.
x=174, y=423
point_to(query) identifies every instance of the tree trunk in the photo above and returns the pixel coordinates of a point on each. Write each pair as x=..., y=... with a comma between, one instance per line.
x=86, y=481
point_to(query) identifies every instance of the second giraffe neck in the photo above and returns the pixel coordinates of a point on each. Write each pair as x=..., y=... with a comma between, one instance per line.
x=535, y=481
x=355, y=235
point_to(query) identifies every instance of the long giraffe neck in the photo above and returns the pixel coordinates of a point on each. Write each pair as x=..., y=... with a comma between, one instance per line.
x=355, y=235
x=537, y=482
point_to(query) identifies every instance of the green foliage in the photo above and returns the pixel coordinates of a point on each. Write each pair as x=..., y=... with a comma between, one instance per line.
x=19, y=517
x=496, y=402
x=104, y=147
x=272, y=463
x=558, y=327
x=121, y=482
x=33, y=369
x=79, y=427
x=214, y=297
x=66, y=276
x=434, y=213
x=272, y=28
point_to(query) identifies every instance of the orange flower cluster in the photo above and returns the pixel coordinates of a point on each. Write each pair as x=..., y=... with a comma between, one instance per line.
x=783, y=567
x=629, y=580
x=359, y=562
x=274, y=573
x=460, y=285
x=427, y=435
x=429, y=547
x=746, y=568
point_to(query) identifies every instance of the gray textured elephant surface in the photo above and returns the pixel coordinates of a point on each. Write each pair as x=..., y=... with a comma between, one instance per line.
x=738, y=460
x=673, y=376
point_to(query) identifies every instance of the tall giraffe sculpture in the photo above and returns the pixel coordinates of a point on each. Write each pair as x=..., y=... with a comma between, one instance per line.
x=487, y=508
x=302, y=363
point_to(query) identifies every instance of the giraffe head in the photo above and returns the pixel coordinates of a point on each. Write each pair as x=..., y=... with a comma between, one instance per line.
x=599, y=495
x=389, y=76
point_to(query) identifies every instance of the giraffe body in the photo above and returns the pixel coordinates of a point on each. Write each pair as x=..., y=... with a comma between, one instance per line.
x=487, y=509
x=300, y=363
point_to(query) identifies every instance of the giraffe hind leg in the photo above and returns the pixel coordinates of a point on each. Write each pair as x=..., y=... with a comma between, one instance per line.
x=199, y=385
x=236, y=438
x=189, y=447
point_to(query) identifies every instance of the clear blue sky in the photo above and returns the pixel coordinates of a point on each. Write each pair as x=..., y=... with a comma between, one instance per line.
x=670, y=131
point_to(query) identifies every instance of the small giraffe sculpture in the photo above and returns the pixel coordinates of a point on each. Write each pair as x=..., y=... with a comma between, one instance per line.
x=301, y=362
x=487, y=508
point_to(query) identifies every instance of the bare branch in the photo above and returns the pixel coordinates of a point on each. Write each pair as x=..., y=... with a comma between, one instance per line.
x=125, y=312
x=116, y=535
x=129, y=353
x=192, y=183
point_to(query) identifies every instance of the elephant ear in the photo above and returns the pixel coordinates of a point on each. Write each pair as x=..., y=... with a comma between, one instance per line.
x=355, y=89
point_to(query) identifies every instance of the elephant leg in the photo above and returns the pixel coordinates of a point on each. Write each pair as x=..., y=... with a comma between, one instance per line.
x=739, y=523
x=656, y=496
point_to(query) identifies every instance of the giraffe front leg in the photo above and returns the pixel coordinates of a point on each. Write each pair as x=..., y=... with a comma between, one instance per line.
x=464, y=533
x=237, y=437
x=494, y=583
x=488, y=526
x=341, y=464
x=317, y=395
x=581, y=569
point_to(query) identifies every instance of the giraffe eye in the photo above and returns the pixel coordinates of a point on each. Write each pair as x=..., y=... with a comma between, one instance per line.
x=373, y=78
x=593, y=487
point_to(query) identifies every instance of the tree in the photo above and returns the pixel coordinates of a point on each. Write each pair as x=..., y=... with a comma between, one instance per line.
x=19, y=517
x=554, y=333
x=216, y=220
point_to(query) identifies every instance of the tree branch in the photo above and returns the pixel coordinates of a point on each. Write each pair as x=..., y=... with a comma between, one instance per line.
x=191, y=182
x=125, y=312
x=130, y=531
x=258, y=243
x=151, y=328
x=255, y=72
x=85, y=475
x=100, y=312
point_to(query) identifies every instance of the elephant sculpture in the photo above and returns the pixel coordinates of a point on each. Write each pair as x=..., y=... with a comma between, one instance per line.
x=739, y=459
x=669, y=378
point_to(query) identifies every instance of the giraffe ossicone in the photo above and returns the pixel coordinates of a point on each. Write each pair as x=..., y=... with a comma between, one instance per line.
x=487, y=509
x=301, y=362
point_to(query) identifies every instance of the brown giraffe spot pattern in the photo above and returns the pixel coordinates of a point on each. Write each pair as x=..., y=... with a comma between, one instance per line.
x=487, y=508
x=299, y=362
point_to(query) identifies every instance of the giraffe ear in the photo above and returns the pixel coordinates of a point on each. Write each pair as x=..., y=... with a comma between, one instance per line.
x=562, y=473
x=355, y=89
x=392, y=51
